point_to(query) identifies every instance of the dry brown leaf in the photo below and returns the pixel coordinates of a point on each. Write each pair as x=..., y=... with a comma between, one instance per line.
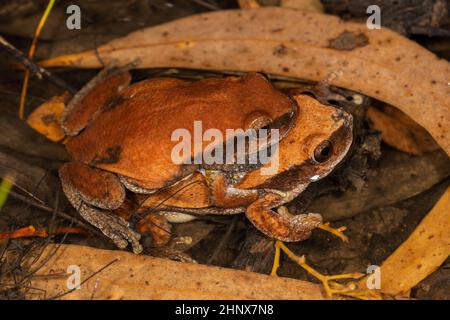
x=422, y=253
x=379, y=63
x=46, y=118
x=145, y=277
x=400, y=132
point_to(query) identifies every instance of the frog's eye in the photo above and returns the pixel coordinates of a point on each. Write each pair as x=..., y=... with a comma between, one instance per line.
x=257, y=120
x=323, y=151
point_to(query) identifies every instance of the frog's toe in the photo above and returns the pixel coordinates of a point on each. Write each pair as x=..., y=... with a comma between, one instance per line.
x=118, y=230
x=281, y=225
x=120, y=242
x=133, y=238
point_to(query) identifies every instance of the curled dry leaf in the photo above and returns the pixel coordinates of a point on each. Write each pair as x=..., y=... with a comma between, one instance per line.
x=143, y=277
x=400, y=132
x=46, y=118
x=422, y=253
x=379, y=63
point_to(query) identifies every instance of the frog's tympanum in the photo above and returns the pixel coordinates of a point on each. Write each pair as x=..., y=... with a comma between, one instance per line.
x=120, y=139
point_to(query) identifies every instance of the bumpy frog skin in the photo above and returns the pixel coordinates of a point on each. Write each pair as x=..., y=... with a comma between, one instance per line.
x=121, y=139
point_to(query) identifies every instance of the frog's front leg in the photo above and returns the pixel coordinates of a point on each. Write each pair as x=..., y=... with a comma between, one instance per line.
x=281, y=225
x=89, y=190
x=224, y=195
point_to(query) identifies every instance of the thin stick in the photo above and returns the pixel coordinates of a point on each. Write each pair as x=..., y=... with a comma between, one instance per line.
x=37, y=70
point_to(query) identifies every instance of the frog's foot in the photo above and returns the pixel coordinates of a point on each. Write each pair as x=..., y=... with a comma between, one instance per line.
x=114, y=227
x=331, y=287
x=338, y=232
x=281, y=225
x=88, y=189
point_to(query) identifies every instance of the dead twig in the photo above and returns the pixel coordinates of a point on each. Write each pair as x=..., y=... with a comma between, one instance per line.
x=37, y=70
x=48, y=209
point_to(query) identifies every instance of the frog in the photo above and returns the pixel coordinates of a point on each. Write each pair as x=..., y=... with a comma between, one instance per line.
x=119, y=141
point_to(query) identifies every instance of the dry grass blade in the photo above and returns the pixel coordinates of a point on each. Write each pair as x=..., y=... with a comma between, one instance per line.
x=31, y=55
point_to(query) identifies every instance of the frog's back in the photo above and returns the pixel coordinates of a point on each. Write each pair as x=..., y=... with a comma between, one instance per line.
x=132, y=136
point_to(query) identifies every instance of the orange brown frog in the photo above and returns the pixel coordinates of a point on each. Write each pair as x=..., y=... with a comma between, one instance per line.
x=120, y=138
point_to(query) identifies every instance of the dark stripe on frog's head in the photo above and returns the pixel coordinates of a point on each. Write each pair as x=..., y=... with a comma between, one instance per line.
x=311, y=170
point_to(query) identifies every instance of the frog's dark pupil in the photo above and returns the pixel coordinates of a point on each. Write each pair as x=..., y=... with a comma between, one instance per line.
x=323, y=151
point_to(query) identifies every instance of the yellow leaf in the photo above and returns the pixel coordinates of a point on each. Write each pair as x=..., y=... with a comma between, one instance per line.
x=422, y=253
x=46, y=118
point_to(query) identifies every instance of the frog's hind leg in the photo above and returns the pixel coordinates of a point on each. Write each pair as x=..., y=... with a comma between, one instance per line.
x=89, y=190
x=97, y=95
